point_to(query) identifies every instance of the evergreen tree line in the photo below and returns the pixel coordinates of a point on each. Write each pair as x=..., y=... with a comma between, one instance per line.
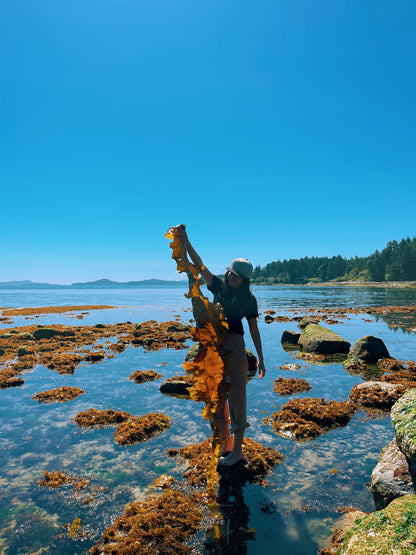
x=396, y=262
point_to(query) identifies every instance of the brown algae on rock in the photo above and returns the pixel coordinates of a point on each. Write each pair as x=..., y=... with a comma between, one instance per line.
x=258, y=461
x=305, y=419
x=141, y=428
x=93, y=418
x=141, y=376
x=162, y=524
x=58, y=395
x=289, y=386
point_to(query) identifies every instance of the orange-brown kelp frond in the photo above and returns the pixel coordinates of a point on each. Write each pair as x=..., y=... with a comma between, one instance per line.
x=207, y=368
x=161, y=524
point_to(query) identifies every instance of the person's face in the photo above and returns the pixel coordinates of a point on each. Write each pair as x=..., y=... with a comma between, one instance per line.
x=234, y=281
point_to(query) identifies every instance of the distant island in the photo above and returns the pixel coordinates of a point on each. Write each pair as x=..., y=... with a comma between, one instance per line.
x=97, y=284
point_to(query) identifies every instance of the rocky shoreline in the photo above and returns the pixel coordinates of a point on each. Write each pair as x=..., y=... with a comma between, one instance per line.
x=350, y=283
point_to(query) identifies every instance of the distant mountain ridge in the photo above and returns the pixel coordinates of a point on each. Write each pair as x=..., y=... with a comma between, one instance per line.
x=97, y=284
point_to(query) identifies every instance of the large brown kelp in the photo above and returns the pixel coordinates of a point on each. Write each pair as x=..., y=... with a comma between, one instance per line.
x=208, y=366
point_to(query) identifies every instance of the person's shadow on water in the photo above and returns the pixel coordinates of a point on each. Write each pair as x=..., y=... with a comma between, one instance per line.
x=234, y=532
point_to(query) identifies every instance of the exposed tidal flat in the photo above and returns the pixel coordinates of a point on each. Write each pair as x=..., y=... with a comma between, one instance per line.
x=294, y=510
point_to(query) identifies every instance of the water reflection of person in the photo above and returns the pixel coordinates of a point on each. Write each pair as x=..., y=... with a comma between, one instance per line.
x=234, y=295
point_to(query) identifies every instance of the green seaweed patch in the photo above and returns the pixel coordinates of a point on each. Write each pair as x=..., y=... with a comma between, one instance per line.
x=403, y=416
x=305, y=419
x=141, y=428
x=58, y=395
x=392, y=530
x=141, y=376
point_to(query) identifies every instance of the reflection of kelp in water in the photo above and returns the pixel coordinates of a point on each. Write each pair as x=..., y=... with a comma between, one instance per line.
x=207, y=367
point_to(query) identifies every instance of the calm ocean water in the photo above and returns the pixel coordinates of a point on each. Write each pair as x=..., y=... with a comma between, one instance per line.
x=294, y=513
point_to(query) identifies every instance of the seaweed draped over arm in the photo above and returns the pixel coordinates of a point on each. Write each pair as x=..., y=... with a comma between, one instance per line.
x=208, y=365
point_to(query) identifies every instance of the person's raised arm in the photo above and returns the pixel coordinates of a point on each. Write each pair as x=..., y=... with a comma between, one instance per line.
x=196, y=259
x=255, y=336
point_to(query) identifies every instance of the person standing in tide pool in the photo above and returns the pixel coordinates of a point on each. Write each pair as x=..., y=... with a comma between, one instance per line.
x=234, y=295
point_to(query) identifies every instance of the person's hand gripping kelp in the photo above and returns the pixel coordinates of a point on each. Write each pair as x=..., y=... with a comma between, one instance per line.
x=234, y=295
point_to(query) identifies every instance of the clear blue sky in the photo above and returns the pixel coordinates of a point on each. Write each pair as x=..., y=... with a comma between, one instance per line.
x=273, y=129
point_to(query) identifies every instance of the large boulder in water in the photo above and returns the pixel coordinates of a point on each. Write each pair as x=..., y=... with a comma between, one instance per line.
x=403, y=417
x=369, y=349
x=391, y=476
x=317, y=339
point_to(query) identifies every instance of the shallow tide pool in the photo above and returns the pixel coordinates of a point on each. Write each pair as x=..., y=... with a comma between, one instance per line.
x=293, y=512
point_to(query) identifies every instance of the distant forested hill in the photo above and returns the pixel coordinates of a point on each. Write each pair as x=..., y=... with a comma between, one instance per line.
x=396, y=262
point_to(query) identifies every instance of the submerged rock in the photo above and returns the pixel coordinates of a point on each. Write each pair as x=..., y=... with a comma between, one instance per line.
x=390, y=531
x=369, y=349
x=403, y=417
x=391, y=476
x=317, y=339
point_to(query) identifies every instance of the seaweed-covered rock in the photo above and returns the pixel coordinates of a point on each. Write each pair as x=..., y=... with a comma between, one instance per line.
x=58, y=395
x=44, y=333
x=317, y=339
x=291, y=337
x=306, y=320
x=141, y=376
x=305, y=419
x=390, y=531
x=289, y=386
x=369, y=349
x=403, y=416
x=141, y=428
x=258, y=461
x=344, y=525
x=391, y=476
x=177, y=386
x=380, y=395
x=160, y=524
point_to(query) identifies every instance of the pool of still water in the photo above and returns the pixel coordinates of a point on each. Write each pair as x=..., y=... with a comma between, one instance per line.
x=297, y=508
